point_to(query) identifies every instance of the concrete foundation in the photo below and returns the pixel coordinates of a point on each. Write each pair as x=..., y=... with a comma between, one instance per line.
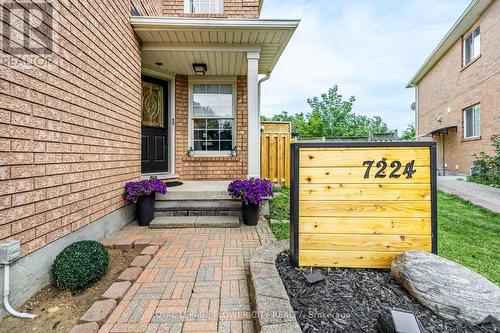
x=32, y=272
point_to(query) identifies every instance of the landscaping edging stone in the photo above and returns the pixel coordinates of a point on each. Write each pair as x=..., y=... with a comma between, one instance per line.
x=96, y=316
x=274, y=314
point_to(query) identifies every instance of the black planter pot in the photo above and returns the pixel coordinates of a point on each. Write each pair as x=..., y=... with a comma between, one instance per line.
x=145, y=209
x=250, y=214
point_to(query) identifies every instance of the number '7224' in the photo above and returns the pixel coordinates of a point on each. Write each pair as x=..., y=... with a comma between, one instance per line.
x=394, y=166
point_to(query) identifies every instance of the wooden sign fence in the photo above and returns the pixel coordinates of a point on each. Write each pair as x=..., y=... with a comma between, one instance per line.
x=360, y=204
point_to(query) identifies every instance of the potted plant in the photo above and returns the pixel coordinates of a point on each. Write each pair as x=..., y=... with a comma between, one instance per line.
x=251, y=192
x=190, y=151
x=143, y=193
x=234, y=151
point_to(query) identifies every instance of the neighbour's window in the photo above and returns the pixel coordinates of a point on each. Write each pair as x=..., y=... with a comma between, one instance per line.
x=472, y=118
x=204, y=6
x=213, y=117
x=472, y=46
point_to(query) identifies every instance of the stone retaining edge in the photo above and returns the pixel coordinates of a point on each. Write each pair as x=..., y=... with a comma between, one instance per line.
x=85, y=326
x=273, y=311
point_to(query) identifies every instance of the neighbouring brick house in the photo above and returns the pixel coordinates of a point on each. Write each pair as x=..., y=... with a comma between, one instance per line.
x=94, y=94
x=457, y=89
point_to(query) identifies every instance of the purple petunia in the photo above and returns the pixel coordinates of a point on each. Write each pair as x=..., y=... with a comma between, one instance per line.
x=251, y=191
x=135, y=190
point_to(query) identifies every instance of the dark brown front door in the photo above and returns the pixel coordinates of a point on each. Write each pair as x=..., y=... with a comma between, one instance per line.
x=154, y=145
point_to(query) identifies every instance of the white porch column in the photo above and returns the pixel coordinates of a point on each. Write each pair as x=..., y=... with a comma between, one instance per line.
x=253, y=114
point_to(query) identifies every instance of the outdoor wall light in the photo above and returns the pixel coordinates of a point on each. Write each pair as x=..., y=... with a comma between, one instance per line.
x=200, y=69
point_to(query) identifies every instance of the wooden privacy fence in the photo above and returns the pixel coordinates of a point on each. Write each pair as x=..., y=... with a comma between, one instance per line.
x=275, y=152
x=360, y=204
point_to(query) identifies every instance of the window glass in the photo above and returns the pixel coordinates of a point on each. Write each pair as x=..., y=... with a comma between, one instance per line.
x=212, y=117
x=472, y=46
x=472, y=121
x=204, y=6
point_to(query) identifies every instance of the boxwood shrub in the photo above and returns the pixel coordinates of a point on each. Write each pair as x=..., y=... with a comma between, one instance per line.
x=79, y=265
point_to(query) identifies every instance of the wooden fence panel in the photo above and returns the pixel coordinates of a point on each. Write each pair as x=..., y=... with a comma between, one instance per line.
x=275, y=152
x=360, y=204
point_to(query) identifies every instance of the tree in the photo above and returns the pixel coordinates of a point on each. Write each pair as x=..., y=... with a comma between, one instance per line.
x=409, y=133
x=332, y=116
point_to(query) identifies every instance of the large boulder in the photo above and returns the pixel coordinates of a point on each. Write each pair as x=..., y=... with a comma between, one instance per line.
x=450, y=290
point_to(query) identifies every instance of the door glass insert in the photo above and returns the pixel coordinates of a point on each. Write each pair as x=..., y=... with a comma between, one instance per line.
x=152, y=105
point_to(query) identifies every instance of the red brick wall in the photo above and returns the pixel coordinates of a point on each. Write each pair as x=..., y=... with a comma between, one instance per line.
x=198, y=167
x=232, y=9
x=149, y=7
x=449, y=86
x=70, y=132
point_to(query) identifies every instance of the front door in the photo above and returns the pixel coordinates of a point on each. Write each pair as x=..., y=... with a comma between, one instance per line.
x=154, y=144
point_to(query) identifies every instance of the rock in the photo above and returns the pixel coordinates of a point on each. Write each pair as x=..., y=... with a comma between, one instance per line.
x=53, y=309
x=450, y=290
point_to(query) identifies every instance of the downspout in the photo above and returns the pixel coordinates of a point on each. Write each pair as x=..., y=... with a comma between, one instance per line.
x=6, y=291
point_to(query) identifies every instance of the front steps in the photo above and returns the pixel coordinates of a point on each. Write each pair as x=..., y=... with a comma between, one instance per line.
x=182, y=204
x=167, y=222
x=197, y=208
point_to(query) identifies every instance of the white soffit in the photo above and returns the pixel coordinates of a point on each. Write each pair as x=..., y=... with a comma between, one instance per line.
x=461, y=26
x=220, y=43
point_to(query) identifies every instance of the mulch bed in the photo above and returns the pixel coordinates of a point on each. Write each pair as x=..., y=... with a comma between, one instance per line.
x=351, y=300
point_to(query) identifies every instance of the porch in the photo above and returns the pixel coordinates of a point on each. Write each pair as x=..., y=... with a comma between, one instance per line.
x=201, y=95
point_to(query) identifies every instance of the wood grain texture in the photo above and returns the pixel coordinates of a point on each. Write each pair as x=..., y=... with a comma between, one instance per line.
x=346, y=259
x=352, y=225
x=352, y=157
x=315, y=192
x=365, y=208
x=345, y=242
x=354, y=175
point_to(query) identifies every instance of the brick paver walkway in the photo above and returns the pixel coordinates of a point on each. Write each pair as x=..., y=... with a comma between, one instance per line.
x=197, y=282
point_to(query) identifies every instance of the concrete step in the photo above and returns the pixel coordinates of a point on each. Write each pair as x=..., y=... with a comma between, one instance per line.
x=168, y=222
x=194, y=195
x=197, y=205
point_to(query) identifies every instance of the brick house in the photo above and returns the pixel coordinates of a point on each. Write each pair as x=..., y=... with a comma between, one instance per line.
x=457, y=89
x=94, y=94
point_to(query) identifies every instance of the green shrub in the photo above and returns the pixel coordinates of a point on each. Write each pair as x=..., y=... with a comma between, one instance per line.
x=279, y=206
x=488, y=167
x=79, y=265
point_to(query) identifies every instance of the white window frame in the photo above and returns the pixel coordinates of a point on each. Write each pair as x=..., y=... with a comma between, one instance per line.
x=208, y=80
x=219, y=6
x=475, y=46
x=473, y=110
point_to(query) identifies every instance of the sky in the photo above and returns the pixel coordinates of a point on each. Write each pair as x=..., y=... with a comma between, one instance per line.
x=369, y=48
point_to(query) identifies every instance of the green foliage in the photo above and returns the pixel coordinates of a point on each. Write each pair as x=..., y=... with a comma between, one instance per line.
x=279, y=206
x=79, y=265
x=281, y=231
x=409, y=133
x=332, y=116
x=488, y=167
x=467, y=234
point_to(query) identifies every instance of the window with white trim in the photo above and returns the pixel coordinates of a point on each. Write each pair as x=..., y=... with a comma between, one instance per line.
x=204, y=6
x=212, y=118
x=472, y=46
x=472, y=119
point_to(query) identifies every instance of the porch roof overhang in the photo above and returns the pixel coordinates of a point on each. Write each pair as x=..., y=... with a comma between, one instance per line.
x=222, y=44
x=442, y=131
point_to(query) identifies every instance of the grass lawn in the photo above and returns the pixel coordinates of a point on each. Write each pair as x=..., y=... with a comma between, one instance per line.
x=467, y=234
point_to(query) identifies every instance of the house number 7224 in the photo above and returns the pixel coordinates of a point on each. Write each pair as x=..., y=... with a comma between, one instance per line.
x=408, y=171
